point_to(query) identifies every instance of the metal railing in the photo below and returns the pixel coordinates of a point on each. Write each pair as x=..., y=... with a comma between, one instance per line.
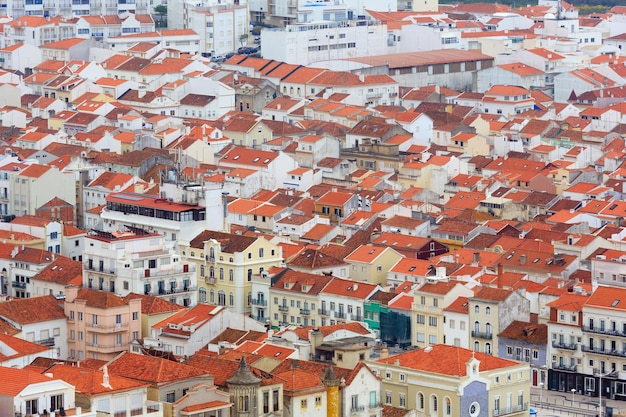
x=563, y=345
x=510, y=410
x=482, y=335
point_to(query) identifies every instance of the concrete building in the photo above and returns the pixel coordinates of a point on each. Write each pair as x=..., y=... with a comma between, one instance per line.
x=101, y=325
x=138, y=261
x=450, y=380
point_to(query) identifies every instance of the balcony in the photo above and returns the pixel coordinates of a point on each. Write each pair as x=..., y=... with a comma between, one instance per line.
x=258, y=302
x=609, y=332
x=118, y=327
x=210, y=280
x=600, y=351
x=283, y=308
x=426, y=309
x=356, y=317
x=340, y=315
x=305, y=312
x=17, y=284
x=563, y=345
x=375, y=406
x=510, y=410
x=481, y=335
x=107, y=348
x=357, y=409
x=563, y=367
x=46, y=342
x=323, y=312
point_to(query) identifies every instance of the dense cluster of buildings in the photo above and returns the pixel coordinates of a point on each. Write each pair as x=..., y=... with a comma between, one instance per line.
x=394, y=210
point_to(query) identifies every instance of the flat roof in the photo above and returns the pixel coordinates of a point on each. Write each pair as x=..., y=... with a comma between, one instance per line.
x=417, y=59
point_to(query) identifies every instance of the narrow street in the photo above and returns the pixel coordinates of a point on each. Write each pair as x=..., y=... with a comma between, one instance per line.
x=556, y=404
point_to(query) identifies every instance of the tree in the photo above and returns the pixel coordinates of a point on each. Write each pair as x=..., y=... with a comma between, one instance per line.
x=161, y=13
x=243, y=39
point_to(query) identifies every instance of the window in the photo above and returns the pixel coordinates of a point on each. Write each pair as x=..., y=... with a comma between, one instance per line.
x=420, y=401
x=32, y=406
x=244, y=403
x=170, y=396
x=275, y=400
x=402, y=377
x=266, y=402
x=56, y=402
x=476, y=309
x=432, y=321
x=434, y=403
x=318, y=401
x=448, y=403
x=402, y=400
x=388, y=397
x=421, y=319
x=487, y=310
x=303, y=403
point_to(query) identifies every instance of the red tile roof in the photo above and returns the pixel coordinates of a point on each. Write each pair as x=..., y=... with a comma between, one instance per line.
x=14, y=380
x=152, y=370
x=447, y=360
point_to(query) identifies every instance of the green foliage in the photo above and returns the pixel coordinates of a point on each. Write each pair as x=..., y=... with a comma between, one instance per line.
x=161, y=9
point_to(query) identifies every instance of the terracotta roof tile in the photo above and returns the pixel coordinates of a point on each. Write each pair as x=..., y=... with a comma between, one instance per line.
x=152, y=370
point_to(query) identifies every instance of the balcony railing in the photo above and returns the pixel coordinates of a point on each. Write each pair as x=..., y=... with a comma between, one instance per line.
x=482, y=335
x=210, y=280
x=356, y=317
x=510, y=410
x=563, y=345
x=340, y=314
x=323, y=312
x=563, y=367
x=283, y=308
x=259, y=303
x=357, y=409
x=108, y=327
x=46, y=342
x=592, y=349
x=599, y=330
x=305, y=312
x=375, y=406
x=17, y=284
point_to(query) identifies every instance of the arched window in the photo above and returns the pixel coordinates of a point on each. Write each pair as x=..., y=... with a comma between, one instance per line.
x=476, y=346
x=488, y=328
x=212, y=297
x=201, y=270
x=261, y=252
x=477, y=326
x=211, y=254
x=221, y=298
x=221, y=274
x=231, y=299
x=448, y=404
x=193, y=254
x=487, y=310
x=249, y=297
x=202, y=295
x=488, y=348
x=420, y=401
x=211, y=272
x=231, y=275
x=434, y=404
x=476, y=309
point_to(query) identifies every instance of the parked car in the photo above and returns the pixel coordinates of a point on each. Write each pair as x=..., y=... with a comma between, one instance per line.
x=257, y=39
x=218, y=59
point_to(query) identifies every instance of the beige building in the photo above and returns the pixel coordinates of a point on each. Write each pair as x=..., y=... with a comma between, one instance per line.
x=226, y=263
x=491, y=311
x=447, y=381
x=294, y=299
x=370, y=263
x=100, y=324
x=427, y=316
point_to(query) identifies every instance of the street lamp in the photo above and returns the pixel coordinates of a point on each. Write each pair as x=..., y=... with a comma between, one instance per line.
x=600, y=390
x=540, y=393
x=573, y=392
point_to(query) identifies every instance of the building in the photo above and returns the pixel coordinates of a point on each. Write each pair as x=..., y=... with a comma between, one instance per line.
x=225, y=264
x=304, y=44
x=137, y=261
x=454, y=381
x=94, y=7
x=38, y=320
x=491, y=311
x=100, y=324
x=31, y=393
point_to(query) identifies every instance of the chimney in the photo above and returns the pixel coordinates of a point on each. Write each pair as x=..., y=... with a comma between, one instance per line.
x=499, y=278
x=476, y=257
x=384, y=353
x=105, y=377
x=295, y=363
x=355, y=287
x=361, y=77
x=522, y=259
